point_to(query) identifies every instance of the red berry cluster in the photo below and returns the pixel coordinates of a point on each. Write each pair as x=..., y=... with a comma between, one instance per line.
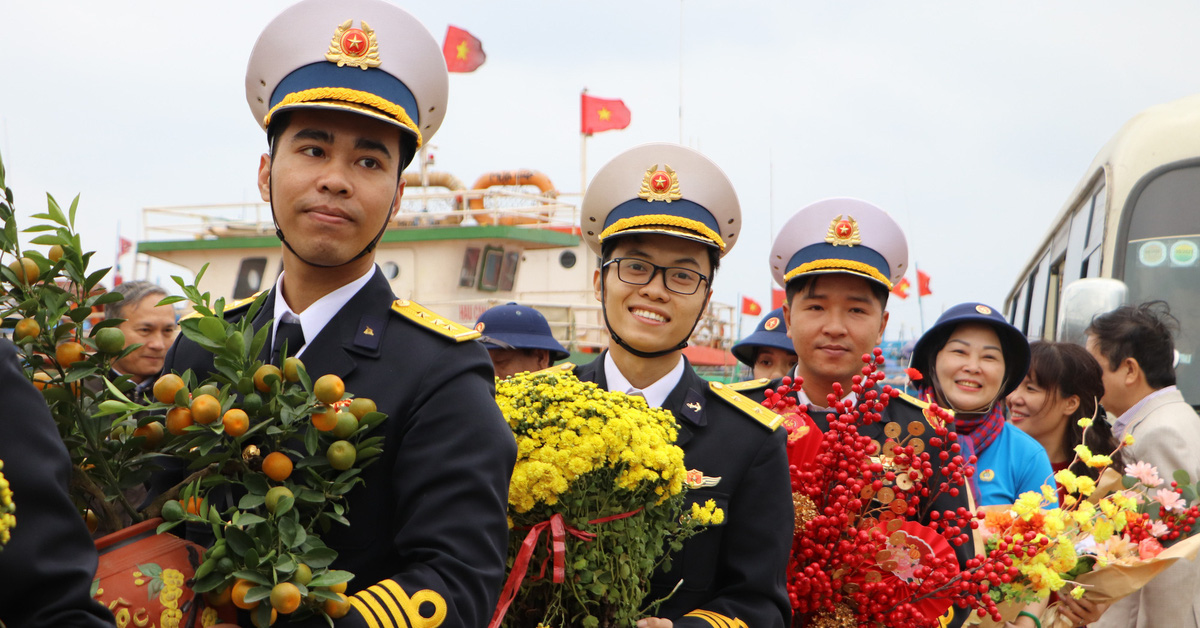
x=853, y=548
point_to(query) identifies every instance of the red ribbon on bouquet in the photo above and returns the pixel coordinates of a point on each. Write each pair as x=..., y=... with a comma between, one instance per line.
x=558, y=551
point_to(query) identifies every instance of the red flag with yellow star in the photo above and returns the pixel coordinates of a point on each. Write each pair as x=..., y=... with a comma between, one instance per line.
x=602, y=114
x=462, y=50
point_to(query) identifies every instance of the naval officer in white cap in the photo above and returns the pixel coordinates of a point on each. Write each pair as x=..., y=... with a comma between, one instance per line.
x=347, y=92
x=838, y=259
x=661, y=217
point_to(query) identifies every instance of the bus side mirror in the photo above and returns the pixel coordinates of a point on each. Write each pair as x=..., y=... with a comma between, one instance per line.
x=1083, y=300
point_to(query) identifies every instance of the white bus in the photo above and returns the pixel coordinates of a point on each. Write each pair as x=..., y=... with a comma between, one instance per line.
x=1134, y=217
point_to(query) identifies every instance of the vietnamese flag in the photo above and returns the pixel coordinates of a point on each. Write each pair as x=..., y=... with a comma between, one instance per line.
x=901, y=288
x=777, y=298
x=751, y=307
x=923, y=284
x=601, y=114
x=462, y=50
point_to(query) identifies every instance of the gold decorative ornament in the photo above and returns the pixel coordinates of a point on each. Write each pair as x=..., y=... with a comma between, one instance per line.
x=355, y=47
x=660, y=185
x=843, y=232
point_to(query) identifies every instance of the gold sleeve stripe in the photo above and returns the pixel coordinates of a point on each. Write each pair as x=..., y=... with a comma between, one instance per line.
x=383, y=619
x=362, y=609
x=390, y=602
x=717, y=620
x=413, y=605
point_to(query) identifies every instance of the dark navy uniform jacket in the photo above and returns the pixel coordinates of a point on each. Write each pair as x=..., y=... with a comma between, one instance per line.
x=47, y=568
x=431, y=523
x=733, y=573
x=901, y=411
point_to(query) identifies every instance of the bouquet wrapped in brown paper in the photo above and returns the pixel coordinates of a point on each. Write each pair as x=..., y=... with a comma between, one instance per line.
x=1109, y=584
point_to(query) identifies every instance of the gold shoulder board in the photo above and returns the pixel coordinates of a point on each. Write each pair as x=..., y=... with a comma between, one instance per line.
x=565, y=367
x=924, y=406
x=769, y=419
x=750, y=384
x=431, y=320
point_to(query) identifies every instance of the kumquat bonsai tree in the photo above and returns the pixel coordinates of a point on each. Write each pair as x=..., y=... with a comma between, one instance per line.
x=260, y=455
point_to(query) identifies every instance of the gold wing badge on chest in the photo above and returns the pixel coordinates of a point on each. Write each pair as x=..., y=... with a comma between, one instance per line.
x=696, y=479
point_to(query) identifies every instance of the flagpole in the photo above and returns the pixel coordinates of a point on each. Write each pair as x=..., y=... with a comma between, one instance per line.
x=920, y=303
x=741, y=314
x=582, y=149
x=681, y=73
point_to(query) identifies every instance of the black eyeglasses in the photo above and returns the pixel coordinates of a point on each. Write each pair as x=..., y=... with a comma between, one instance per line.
x=639, y=272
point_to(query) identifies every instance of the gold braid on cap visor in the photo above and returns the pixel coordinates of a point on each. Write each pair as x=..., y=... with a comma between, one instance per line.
x=334, y=95
x=851, y=266
x=663, y=221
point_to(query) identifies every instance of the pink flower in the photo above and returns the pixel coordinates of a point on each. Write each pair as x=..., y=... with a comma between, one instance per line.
x=1158, y=529
x=1144, y=472
x=1169, y=499
x=1149, y=548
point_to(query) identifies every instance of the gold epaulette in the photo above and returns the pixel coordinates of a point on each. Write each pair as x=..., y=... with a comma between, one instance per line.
x=750, y=384
x=924, y=406
x=769, y=419
x=232, y=308
x=428, y=319
x=565, y=367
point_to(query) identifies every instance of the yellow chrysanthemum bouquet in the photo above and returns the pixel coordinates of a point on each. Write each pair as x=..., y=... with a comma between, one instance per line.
x=596, y=502
x=1105, y=539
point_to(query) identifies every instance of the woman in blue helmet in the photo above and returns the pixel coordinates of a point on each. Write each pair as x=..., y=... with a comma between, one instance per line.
x=768, y=351
x=969, y=361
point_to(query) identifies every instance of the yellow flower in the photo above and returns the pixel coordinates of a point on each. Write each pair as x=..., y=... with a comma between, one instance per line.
x=1028, y=504
x=7, y=508
x=1085, y=422
x=1078, y=592
x=1067, y=479
x=1128, y=440
x=1098, y=462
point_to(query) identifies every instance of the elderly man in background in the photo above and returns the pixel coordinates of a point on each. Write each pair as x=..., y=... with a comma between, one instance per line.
x=145, y=323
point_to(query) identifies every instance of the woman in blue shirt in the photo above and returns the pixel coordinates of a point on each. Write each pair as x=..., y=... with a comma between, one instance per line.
x=970, y=360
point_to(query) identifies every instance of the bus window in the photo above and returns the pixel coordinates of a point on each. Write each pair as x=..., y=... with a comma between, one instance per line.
x=1072, y=268
x=1037, y=299
x=1096, y=233
x=1053, y=289
x=1162, y=259
x=1091, y=266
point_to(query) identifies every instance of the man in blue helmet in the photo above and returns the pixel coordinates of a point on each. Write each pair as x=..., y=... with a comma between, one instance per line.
x=347, y=92
x=519, y=339
x=661, y=216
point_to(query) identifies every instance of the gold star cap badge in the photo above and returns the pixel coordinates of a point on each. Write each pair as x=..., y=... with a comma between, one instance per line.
x=843, y=232
x=355, y=47
x=660, y=185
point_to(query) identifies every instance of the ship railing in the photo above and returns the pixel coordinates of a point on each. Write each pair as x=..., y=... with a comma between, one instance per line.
x=419, y=208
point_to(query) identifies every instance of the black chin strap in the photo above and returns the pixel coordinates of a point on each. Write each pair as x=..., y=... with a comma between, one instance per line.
x=366, y=250
x=625, y=345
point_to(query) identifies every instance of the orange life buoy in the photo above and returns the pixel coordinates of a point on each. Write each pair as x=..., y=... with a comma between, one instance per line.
x=511, y=178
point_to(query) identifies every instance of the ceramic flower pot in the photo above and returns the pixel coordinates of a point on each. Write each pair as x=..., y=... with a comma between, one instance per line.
x=143, y=579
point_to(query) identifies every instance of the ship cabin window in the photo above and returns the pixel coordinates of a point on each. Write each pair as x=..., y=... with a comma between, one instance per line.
x=249, y=277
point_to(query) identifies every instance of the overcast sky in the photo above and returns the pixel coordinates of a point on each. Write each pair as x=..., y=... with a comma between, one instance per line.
x=969, y=122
